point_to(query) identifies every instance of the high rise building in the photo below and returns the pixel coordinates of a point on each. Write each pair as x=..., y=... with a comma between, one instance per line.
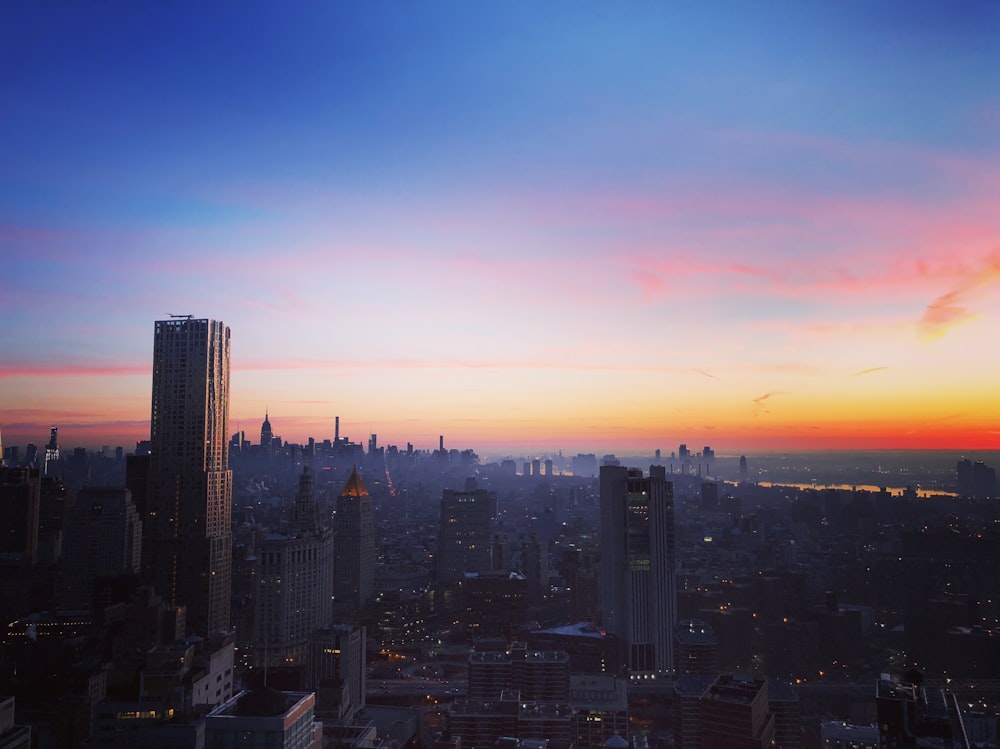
x=266, y=435
x=354, y=544
x=336, y=670
x=294, y=584
x=20, y=502
x=638, y=593
x=188, y=546
x=696, y=651
x=52, y=451
x=465, y=533
x=105, y=542
x=735, y=715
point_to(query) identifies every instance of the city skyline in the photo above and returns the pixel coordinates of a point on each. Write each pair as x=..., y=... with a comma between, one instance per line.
x=521, y=227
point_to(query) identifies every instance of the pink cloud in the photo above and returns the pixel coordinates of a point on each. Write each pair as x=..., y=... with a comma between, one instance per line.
x=950, y=309
x=70, y=369
x=365, y=365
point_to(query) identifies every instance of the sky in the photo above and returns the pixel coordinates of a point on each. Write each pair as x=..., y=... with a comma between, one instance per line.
x=520, y=225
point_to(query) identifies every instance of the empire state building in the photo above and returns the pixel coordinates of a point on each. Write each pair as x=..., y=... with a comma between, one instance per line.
x=188, y=544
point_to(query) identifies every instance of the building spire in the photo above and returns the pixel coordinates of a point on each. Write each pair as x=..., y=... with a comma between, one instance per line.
x=306, y=511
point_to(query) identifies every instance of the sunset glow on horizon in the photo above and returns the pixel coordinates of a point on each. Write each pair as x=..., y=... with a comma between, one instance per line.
x=558, y=227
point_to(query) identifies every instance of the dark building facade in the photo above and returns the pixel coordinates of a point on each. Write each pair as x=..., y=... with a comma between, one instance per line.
x=188, y=540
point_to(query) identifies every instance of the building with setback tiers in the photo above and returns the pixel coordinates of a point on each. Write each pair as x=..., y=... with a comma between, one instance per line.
x=188, y=542
x=638, y=592
x=294, y=584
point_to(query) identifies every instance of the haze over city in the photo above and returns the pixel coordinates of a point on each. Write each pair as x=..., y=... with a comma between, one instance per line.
x=556, y=226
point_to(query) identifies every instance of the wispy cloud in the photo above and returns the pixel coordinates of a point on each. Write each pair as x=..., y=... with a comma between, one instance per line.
x=70, y=369
x=760, y=401
x=766, y=396
x=951, y=309
x=868, y=371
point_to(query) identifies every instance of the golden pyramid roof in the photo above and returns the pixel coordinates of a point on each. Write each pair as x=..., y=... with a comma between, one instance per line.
x=354, y=487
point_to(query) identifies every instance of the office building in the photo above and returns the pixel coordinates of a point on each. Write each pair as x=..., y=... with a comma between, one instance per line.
x=105, y=542
x=911, y=715
x=600, y=711
x=354, y=544
x=336, y=671
x=696, y=651
x=20, y=503
x=541, y=676
x=294, y=584
x=465, y=533
x=265, y=718
x=638, y=595
x=734, y=715
x=188, y=541
x=492, y=603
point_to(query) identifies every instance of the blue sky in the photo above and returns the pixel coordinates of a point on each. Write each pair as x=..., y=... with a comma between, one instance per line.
x=395, y=204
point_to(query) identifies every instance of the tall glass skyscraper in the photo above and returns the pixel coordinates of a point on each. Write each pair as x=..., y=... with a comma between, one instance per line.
x=187, y=549
x=638, y=558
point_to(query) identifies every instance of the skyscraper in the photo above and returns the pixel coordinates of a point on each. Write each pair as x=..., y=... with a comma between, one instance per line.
x=105, y=542
x=188, y=546
x=465, y=533
x=52, y=451
x=294, y=583
x=638, y=594
x=354, y=544
x=20, y=502
x=266, y=436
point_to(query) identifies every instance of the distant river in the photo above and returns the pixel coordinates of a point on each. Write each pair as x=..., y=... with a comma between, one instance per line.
x=893, y=491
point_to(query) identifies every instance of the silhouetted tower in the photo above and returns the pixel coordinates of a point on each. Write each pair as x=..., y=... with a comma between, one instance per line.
x=51, y=451
x=963, y=474
x=306, y=515
x=294, y=584
x=709, y=496
x=266, y=435
x=638, y=592
x=354, y=544
x=188, y=542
